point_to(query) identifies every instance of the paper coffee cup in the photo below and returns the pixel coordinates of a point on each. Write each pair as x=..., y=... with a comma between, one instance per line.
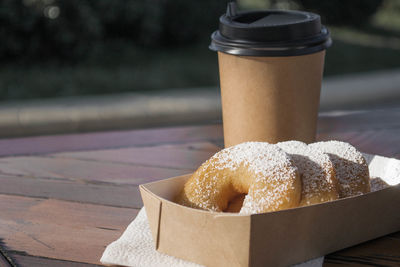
x=271, y=64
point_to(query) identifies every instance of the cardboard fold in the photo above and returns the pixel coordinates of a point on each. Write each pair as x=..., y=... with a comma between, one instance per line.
x=276, y=238
x=153, y=210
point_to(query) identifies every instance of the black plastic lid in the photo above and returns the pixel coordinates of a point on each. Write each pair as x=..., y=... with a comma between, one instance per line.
x=269, y=33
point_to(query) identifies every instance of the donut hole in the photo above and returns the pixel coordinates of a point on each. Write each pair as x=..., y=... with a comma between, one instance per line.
x=226, y=188
x=234, y=190
x=235, y=204
x=241, y=181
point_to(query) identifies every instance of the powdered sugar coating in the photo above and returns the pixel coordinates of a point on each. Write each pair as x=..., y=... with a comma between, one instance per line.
x=319, y=182
x=263, y=171
x=260, y=157
x=351, y=168
x=377, y=184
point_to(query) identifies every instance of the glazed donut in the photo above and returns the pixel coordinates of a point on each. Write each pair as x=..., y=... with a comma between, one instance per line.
x=262, y=171
x=316, y=170
x=350, y=166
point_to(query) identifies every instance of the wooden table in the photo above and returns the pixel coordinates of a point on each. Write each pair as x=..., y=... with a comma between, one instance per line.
x=64, y=198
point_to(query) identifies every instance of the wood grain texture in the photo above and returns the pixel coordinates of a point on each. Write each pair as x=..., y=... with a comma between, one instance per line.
x=75, y=194
x=76, y=191
x=395, y=235
x=329, y=122
x=79, y=170
x=63, y=178
x=381, y=142
x=31, y=261
x=169, y=156
x=4, y=261
x=359, y=120
x=92, y=141
x=59, y=229
x=384, y=251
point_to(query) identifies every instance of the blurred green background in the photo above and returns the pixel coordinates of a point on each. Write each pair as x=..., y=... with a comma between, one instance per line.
x=53, y=48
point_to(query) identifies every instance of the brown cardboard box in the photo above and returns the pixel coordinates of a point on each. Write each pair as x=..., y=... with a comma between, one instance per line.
x=276, y=238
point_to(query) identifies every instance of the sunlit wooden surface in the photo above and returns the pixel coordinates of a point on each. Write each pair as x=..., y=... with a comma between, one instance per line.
x=64, y=198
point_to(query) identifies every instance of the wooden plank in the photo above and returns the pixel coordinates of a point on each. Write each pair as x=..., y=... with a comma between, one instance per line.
x=170, y=156
x=44, y=227
x=359, y=120
x=29, y=261
x=383, y=251
x=112, y=139
x=74, y=185
x=203, y=146
x=78, y=170
x=58, y=229
x=328, y=122
x=395, y=235
x=381, y=142
x=78, y=191
x=3, y=260
x=197, y=146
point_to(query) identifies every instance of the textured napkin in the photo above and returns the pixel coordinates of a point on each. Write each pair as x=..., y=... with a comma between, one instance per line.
x=135, y=247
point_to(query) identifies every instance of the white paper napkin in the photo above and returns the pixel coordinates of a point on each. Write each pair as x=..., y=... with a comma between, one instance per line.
x=135, y=247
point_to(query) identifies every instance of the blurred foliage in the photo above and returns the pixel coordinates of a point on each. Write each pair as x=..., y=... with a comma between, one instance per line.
x=337, y=12
x=390, y=18
x=53, y=48
x=343, y=12
x=137, y=69
x=32, y=33
x=68, y=30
